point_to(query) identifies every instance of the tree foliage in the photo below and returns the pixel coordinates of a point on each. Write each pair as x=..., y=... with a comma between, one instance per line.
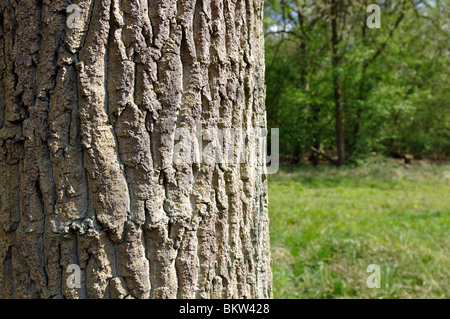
x=392, y=81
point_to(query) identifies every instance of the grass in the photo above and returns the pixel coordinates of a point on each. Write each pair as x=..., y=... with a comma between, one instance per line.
x=329, y=224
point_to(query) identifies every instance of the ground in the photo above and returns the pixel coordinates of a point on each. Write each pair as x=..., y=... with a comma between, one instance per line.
x=329, y=224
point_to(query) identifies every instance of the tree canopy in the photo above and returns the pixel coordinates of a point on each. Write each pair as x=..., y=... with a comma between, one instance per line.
x=340, y=90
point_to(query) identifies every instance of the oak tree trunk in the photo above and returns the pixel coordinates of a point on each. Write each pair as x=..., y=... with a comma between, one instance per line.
x=87, y=177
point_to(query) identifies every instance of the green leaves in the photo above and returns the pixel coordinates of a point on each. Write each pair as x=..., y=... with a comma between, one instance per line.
x=394, y=80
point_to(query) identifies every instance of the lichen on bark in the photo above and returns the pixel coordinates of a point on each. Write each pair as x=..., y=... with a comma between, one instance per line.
x=87, y=121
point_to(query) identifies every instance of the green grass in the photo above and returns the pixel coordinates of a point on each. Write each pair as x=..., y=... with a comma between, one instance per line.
x=328, y=224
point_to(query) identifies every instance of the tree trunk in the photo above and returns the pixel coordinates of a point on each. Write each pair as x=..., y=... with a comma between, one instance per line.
x=303, y=107
x=87, y=117
x=340, y=138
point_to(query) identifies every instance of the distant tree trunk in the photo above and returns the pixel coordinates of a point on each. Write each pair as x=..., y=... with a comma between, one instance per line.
x=316, y=134
x=340, y=138
x=304, y=86
x=87, y=119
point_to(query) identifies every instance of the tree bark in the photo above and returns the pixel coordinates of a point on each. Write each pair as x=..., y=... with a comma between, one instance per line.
x=87, y=119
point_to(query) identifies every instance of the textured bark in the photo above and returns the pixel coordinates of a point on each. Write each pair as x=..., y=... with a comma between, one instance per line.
x=87, y=117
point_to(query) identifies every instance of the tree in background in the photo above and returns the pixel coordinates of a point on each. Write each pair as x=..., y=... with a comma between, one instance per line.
x=341, y=91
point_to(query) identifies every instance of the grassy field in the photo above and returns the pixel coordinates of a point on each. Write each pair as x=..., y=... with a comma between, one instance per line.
x=328, y=224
